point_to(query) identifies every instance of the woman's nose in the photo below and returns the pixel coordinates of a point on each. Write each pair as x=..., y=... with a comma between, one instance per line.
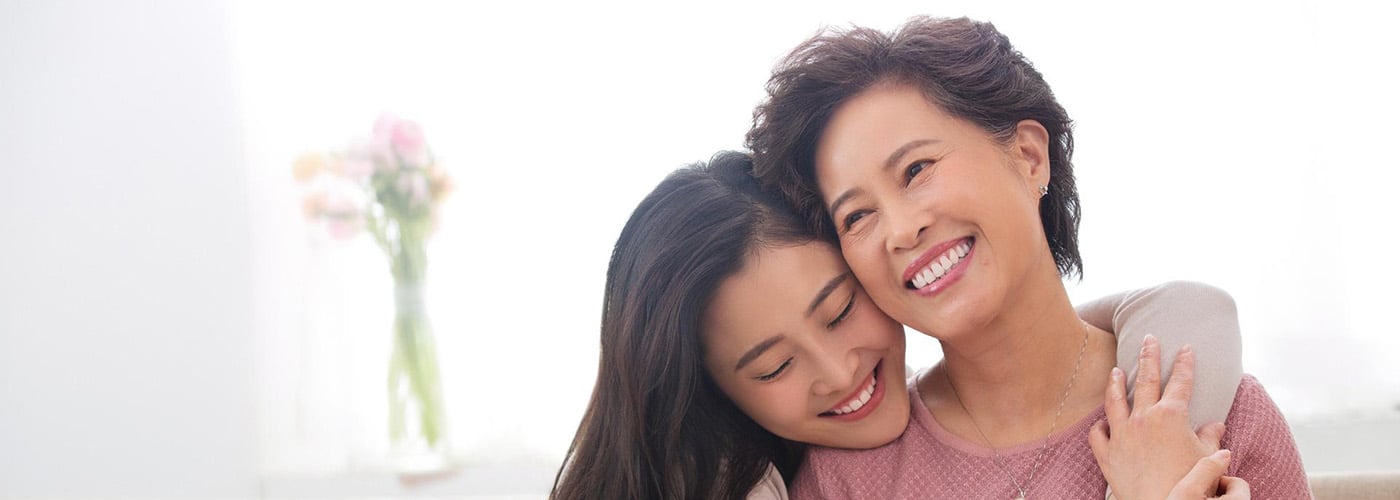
x=836, y=372
x=904, y=226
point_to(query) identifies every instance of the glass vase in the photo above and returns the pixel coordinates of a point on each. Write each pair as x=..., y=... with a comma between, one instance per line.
x=417, y=434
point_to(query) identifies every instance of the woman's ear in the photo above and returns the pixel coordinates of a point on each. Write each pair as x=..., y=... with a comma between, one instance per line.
x=1031, y=151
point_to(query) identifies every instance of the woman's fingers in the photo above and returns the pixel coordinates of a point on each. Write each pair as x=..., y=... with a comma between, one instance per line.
x=1148, y=388
x=1235, y=488
x=1098, y=442
x=1202, y=479
x=1211, y=433
x=1115, y=398
x=1182, y=378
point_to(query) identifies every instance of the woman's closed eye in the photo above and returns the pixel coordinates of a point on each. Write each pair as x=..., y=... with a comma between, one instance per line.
x=845, y=312
x=774, y=374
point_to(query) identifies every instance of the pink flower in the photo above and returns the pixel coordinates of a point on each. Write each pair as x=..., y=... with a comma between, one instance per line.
x=344, y=228
x=340, y=203
x=359, y=161
x=384, y=127
x=404, y=138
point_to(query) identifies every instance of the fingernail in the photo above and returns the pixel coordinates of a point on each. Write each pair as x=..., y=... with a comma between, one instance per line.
x=1117, y=374
x=1186, y=349
x=1224, y=454
x=1149, y=339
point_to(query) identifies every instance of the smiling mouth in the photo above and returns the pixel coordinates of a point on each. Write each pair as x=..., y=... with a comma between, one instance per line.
x=939, y=266
x=859, y=399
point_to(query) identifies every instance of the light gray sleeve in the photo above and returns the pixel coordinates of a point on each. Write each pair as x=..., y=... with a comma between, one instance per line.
x=1179, y=313
x=770, y=487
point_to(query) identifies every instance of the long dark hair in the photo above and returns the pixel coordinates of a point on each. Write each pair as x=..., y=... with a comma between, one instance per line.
x=657, y=426
x=967, y=68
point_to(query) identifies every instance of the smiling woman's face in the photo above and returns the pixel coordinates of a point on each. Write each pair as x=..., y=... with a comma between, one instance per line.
x=794, y=341
x=938, y=218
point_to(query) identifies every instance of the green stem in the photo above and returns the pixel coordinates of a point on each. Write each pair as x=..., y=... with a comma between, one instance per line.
x=414, y=358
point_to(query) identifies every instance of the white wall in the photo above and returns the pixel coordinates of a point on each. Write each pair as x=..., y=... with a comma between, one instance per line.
x=125, y=352
x=127, y=307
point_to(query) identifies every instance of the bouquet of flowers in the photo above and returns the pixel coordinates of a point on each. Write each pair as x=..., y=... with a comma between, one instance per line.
x=390, y=187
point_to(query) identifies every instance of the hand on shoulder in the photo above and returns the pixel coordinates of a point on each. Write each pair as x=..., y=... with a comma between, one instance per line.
x=1150, y=451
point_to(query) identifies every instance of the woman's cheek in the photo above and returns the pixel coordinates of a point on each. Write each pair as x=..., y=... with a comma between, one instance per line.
x=787, y=402
x=860, y=260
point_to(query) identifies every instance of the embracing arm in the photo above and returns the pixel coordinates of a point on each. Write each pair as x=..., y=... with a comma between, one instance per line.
x=1178, y=313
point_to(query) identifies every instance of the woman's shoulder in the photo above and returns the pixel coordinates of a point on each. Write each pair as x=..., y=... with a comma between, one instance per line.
x=1264, y=453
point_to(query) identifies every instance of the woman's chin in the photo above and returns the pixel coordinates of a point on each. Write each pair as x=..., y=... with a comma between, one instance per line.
x=879, y=431
x=948, y=321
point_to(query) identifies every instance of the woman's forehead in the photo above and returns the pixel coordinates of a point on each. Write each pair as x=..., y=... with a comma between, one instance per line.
x=775, y=287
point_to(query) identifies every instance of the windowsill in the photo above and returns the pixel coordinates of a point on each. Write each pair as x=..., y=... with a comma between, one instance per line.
x=477, y=481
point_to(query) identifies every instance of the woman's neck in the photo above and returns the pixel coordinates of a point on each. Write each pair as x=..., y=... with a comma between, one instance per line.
x=1011, y=377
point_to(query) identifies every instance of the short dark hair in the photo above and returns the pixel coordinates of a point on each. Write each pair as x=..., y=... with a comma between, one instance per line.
x=657, y=425
x=965, y=67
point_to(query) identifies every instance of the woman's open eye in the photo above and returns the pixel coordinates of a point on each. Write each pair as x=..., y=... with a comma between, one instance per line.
x=770, y=376
x=916, y=168
x=851, y=219
x=850, y=303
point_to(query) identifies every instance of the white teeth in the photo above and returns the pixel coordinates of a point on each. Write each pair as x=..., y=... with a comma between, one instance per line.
x=941, y=265
x=860, y=400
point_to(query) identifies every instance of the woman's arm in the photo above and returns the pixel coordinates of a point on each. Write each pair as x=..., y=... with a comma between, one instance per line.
x=1178, y=313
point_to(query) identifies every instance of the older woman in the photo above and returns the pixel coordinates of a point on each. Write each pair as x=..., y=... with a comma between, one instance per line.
x=939, y=160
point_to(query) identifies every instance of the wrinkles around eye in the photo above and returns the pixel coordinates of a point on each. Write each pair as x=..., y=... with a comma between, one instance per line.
x=855, y=222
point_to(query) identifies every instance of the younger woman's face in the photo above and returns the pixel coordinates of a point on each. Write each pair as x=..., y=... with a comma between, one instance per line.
x=794, y=341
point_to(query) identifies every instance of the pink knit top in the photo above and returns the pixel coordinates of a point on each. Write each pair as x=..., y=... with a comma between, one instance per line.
x=927, y=461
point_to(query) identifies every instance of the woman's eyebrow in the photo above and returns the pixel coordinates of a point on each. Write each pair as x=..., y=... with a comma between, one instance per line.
x=826, y=291
x=898, y=154
x=757, y=351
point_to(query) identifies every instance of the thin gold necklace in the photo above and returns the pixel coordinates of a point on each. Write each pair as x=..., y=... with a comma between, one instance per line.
x=996, y=457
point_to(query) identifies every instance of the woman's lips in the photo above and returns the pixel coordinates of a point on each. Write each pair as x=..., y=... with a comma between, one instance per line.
x=860, y=403
x=940, y=266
